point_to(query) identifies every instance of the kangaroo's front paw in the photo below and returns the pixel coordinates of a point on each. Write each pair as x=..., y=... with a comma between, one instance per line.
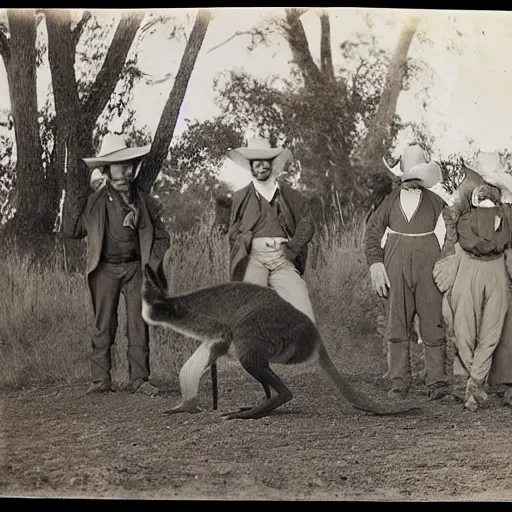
x=189, y=406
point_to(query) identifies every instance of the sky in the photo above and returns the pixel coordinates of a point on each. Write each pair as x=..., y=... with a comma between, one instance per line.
x=467, y=69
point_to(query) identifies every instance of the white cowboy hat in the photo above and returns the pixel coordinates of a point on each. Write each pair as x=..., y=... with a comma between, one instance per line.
x=114, y=150
x=413, y=165
x=259, y=149
x=490, y=169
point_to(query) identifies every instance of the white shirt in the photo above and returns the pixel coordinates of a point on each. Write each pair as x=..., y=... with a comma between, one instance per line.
x=267, y=189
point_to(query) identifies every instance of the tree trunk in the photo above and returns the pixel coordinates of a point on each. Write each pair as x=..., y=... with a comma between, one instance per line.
x=66, y=161
x=109, y=74
x=165, y=130
x=78, y=132
x=378, y=139
x=32, y=214
x=61, y=55
x=296, y=37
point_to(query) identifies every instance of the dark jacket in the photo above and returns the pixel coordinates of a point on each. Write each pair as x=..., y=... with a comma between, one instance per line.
x=153, y=238
x=294, y=216
x=476, y=233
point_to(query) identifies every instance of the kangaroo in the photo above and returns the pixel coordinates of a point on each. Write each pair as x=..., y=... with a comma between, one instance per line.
x=248, y=322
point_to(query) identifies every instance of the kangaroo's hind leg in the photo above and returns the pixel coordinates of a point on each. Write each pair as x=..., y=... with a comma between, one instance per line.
x=268, y=394
x=191, y=373
x=259, y=368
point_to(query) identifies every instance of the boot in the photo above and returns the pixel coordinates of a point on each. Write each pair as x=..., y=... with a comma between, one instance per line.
x=399, y=368
x=476, y=390
x=436, y=380
x=459, y=383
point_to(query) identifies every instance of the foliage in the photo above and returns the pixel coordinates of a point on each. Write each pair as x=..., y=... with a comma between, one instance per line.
x=321, y=125
x=506, y=159
x=91, y=50
x=197, y=154
x=7, y=177
x=453, y=171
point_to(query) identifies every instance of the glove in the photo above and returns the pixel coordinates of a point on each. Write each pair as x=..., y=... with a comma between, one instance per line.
x=379, y=278
x=444, y=272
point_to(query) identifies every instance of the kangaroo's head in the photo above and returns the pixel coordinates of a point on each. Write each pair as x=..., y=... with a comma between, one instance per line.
x=158, y=306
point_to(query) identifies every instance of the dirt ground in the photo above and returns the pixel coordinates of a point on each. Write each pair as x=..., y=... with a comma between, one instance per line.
x=57, y=442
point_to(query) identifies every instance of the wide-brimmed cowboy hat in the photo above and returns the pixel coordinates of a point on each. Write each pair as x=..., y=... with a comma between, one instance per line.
x=414, y=166
x=114, y=150
x=489, y=167
x=259, y=148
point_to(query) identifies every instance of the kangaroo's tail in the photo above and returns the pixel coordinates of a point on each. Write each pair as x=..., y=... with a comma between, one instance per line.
x=358, y=399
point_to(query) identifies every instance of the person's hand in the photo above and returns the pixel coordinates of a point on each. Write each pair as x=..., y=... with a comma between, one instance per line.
x=288, y=253
x=380, y=280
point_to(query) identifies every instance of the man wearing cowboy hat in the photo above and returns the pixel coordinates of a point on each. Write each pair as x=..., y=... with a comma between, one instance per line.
x=270, y=226
x=401, y=246
x=124, y=233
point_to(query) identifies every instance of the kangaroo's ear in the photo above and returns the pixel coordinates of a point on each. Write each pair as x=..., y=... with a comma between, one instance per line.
x=160, y=276
x=150, y=276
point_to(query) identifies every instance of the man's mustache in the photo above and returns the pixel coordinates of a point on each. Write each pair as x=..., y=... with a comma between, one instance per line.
x=125, y=181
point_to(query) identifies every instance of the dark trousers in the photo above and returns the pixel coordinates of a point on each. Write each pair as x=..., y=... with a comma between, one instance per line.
x=107, y=282
x=413, y=291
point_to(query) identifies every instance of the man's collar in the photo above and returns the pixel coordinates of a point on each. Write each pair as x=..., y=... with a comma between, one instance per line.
x=268, y=192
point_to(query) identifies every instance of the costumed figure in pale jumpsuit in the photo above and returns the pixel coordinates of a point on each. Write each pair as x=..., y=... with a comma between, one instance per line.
x=472, y=272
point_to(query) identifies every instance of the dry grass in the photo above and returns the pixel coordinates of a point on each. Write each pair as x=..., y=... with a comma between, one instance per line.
x=47, y=319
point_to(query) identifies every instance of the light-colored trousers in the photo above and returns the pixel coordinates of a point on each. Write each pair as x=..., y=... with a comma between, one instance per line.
x=480, y=303
x=268, y=266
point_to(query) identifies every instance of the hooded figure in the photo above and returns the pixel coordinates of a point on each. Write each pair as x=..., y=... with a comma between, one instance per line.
x=270, y=226
x=472, y=274
x=403, y=240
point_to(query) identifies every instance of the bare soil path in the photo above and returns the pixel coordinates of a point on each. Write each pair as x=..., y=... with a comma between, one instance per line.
x=58, y=442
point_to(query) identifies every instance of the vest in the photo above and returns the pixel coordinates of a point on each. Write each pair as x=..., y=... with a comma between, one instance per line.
x=268, y=224
x=120, y=243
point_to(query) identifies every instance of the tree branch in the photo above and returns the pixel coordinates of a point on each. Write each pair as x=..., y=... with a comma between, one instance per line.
x=325, y=47
x=236, y=34
x=296, y=37
x=163, y=136
x=355, y=78
x=77, y=31
x=152, y=23
x=108, y=76
x=377, y=140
